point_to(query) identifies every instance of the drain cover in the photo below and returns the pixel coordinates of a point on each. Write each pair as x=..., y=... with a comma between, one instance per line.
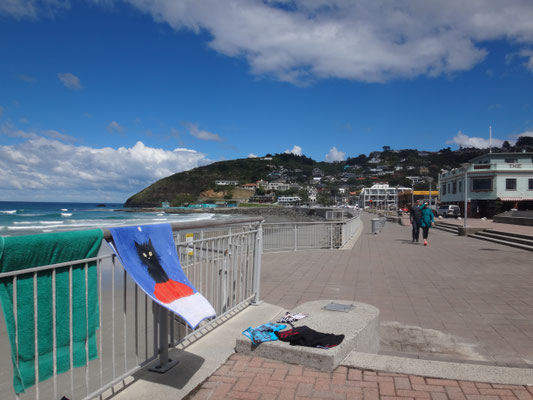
x=338, y=307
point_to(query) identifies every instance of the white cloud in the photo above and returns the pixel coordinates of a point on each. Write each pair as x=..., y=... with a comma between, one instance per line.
x=47, y=169
x=32, y=9
x=528, y=53
x=252, y=155
x=114, y=127
x=371, y=41
x=466, y=141
x=60, y=136
x=335, y=155
x=201, y=134
x=70, y=80
x=296, y=150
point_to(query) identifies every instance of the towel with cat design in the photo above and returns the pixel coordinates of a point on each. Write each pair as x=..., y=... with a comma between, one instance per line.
x=148, y=253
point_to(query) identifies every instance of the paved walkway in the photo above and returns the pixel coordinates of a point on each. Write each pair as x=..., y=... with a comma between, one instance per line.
x=460, y=298
x=246, y=377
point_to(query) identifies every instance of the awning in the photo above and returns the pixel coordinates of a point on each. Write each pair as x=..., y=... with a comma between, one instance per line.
x=516, y=198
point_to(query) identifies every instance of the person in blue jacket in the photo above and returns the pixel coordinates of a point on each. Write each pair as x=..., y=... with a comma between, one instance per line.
x=426, y=221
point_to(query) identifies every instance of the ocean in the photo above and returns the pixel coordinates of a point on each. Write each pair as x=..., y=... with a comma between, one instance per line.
x=26, y=218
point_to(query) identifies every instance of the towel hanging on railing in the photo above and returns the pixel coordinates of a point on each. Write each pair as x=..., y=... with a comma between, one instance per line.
x=23, y=252
x=149, y=255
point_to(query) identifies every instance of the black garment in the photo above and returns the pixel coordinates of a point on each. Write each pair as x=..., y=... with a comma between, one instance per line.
x=305, y=336
x=416, y=229
x=425, y=231
x=416, y=217
x=416, y=214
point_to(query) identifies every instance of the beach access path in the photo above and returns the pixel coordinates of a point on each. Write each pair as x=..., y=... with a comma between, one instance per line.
x=459, y=298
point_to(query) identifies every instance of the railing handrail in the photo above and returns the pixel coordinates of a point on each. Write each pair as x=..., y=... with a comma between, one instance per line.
x=207, y=223
x=333, y=221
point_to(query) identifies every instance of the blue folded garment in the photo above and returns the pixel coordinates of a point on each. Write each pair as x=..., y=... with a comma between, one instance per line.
x=263, y=333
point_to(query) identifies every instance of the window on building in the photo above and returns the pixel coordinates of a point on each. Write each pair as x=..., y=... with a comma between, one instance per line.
x=449, y=188
x=454, y=188
x=444, y=188
x=482, y=184
x=530, y=184
x=510, y=184
x=460, y=186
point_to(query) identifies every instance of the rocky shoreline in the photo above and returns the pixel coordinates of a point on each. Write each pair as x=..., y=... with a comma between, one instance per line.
x=270, y=214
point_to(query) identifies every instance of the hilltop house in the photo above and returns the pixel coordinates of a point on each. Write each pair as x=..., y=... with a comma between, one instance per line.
x=223, y=182
x=278, y=185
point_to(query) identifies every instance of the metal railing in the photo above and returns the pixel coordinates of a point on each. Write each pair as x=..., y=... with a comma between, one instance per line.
x=308, y=235
x=222, y=259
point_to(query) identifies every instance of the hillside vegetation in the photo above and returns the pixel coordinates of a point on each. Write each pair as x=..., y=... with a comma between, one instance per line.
x=393, y=166
x=186, y=187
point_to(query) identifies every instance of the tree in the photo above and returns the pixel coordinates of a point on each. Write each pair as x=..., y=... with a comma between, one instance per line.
x=524, y=141
x=386, y=148
x=323, y=198
x=304, y=195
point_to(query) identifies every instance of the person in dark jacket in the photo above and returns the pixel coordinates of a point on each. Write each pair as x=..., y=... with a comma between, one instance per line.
x=415, y=216
x=426, y=221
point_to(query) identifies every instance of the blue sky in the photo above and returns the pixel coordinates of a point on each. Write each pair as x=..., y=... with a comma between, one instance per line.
x=100, y=98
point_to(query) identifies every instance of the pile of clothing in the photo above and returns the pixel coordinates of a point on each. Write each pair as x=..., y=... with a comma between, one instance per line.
x=296, y=336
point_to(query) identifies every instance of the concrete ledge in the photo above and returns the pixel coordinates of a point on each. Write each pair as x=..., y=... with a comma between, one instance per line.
x=440, y=369
x=462, y=231
x=360, y=326
x=513, y=220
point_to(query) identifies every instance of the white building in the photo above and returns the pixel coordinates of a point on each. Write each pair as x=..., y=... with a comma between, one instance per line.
x=278, y=186
x=495, y=182
x=312, y=193
x=289, y=200
x=224, y=182
x=380, y=196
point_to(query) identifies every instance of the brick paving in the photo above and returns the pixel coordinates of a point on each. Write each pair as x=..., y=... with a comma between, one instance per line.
x=254, y=378
x=459, y=298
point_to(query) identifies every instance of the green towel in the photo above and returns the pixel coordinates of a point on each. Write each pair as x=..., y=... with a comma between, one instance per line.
x=21, y=252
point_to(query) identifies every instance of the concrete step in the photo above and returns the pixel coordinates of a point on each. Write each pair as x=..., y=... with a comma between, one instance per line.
x=511, y=234
x=447, y=227
x=523, y=239
x=505, y=242
x=359, y=325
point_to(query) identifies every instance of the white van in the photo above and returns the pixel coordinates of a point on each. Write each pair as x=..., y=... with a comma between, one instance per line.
x=448, y=211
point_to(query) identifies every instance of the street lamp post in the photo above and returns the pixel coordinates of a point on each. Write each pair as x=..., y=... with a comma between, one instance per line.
x=465, y=166
x=430, y=179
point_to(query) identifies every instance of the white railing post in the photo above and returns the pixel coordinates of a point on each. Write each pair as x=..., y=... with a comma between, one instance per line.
x=295, y=237
x=257, y=263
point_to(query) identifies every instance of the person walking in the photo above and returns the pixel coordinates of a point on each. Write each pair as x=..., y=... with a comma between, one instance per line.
x=415, y=217
x=426, y=221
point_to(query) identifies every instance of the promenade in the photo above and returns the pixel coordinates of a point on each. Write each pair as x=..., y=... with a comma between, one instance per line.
x=456, y=322
x=459, y=298
x=460, y=301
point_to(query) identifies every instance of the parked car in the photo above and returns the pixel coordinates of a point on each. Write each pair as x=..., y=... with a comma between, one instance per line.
x=448, y=211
